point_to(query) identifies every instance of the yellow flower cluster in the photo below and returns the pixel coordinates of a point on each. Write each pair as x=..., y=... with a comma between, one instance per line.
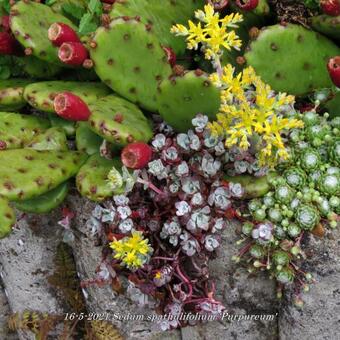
x=249, y=109
x=211, y=31
x=134, y=251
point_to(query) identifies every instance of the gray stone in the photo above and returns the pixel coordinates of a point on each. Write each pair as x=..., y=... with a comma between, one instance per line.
x=320, y=316
x=242, y=295
x=4, y=314
x=26, y=258
x=103, y=300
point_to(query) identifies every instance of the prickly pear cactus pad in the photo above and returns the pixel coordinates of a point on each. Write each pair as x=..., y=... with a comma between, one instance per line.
x=181, y=98
x=37, y=68
x=135, y=76
x=327, y=25
x=17, y=130
x=119, y=121
x=30, y=22
x=300, y=71
x=68, y=126
x=7, y=218
x=11, y=94
x=46, y=202
x=41, y=95
x=161, y=15
x=86, y=140
x=51, y=139
x=92, y=179
x=27, y=173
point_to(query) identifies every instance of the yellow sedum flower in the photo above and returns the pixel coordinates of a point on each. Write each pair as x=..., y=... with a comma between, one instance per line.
x=134, y=251
x=250, y=109
x=212, y=32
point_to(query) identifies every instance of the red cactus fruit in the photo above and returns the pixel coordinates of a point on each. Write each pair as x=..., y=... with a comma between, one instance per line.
x=171, y=56
x=71, y=107
x=136, y=155
x=247, y=5
x=5, y=23
x=333, y=67
x=59, y=33
x=330, y=7
x=72, y=53
x=220, y=5
x=8, y=45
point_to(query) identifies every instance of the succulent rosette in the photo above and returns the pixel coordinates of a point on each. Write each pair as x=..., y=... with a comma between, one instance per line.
x=303, y=198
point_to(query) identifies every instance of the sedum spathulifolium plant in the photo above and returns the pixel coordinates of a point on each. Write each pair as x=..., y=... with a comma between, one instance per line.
x=252, y=116
x=161, y=232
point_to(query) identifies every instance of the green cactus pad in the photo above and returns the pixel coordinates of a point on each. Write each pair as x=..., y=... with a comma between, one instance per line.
x=30, y=22
x=327, y=25
x=37, y=68
x=68, y=126
x=129, y=58
x=92, y=179
x=333, y=106
x=253, y=186
x=27, y=173
x=161, y=15
x=46, y=202
x=86, y=140
x=291, y=58
x=41, y=95
x=7, y=218
x=16, y=130
x=181, y=98
x=51, y=139
x=59, y=5
x=119, y=121
x=11, y=94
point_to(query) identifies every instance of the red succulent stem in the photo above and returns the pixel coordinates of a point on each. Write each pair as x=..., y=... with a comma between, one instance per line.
x=71, y=107
x=72, y=53
x=333, y=67
x=245, y=249
x=60, y=33
x=247, y=5
x=185, y=280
